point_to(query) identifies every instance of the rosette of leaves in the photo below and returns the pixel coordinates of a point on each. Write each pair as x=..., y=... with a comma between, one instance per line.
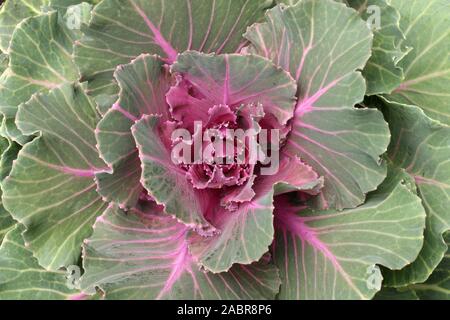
x=357, y=206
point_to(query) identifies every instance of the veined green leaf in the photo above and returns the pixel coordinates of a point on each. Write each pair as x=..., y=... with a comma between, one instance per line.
x=51, y=188
x=334, y=255
x=421, y=146
x=437, y=287
x=13, y=12
x=144, y=84
x=50, y=66
x=427, y=66
x=322, y=44
x=21, y=277
x=121, y=30
x=382, y=71
x=144, y=255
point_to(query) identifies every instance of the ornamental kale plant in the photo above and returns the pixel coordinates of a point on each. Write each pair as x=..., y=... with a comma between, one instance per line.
x=225, y=149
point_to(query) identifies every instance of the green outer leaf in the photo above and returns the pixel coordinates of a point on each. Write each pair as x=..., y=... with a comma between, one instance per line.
x=120, y=30
x=288, y=2
x=49, y=66
x=395, y=294
x=15, y=11
x=10, y=149
x=422, y=147
x=8, y=152
x=51, y=188
x=6, y=222
x=437, y=287
x=21, y=277
x=9, y=129
x=12, y=13
x=144, y=84
x=382, y=72
x=427, y=66
x=4, y=60
x=123, y=186
x=322, y=43
x=332, y=255
x=147, y=258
